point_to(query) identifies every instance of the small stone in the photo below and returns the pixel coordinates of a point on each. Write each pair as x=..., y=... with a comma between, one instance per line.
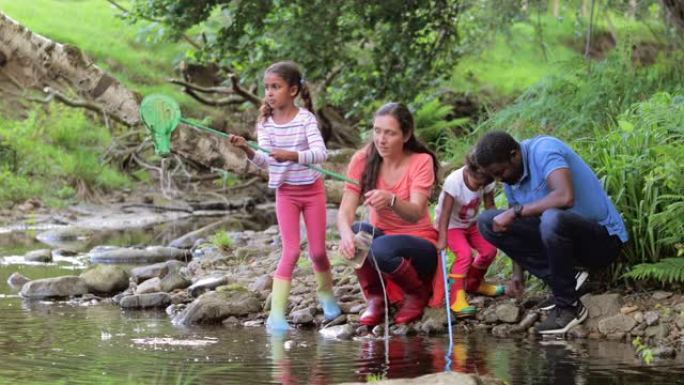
x=638, y=316
x=629, y=309
x=578, y=332
x=651, y=317
x=660, y=295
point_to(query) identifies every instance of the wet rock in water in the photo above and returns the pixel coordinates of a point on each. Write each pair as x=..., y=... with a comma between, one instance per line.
x=73, y=238
x=402, y=330
x=362, y=330
x=173, y=309
x=618, y=323
x=664, y=352
x=151, y=254
x=58, y=287
x=16, y=280
x=214, y=307
x=142, y=273
x=378, y=330
x=342, y=332
x=105, y=279
x=62, y=252
x=339, y=320
x=578, y=332
x=42, y=255
x=180, y=297
x=152, y=285
x=501, y=330
x=488, y=316
x=507, y=312
x=442, y=378
x=144, y=301
x=301, y=317
x=528, y=320
x=205, y=284
x=432, y=326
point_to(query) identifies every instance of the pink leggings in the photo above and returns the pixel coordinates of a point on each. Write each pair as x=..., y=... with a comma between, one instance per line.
x=461, y=242
x=291, y=202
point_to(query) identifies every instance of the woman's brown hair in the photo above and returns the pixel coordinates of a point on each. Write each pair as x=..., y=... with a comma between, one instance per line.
x=402, y=114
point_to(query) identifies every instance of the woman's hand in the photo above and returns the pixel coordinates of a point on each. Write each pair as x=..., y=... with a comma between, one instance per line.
x=378, y=199
x=284, y=155
x=347, y=247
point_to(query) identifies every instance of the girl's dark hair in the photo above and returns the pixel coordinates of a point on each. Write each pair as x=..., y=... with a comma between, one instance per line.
x=402, y=114
x=290, y=72
x=474, y=168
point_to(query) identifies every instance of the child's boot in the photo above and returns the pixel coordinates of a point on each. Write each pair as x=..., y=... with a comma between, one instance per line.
x=325, y=295
x=476, y=284
x=457, y=295
x=276, y=319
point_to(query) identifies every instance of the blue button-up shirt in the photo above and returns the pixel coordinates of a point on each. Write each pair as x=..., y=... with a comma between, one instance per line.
x=542, y=155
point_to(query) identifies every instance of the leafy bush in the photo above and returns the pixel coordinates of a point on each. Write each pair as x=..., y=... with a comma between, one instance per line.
x=56, y=156
x=640, y=165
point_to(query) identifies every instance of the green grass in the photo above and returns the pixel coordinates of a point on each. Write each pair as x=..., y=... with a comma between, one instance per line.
x=115, y=46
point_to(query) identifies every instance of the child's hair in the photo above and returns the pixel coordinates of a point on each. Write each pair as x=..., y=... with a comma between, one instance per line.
x=474, y=168
x=290, y=73
x=402, y=114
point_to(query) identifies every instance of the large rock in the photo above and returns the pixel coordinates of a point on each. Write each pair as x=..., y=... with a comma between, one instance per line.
x=105, y=279
x=443, y=378
x=58, y=287
x=615, y=324
x=143, y=301
x=42, y=255
x=600, y=307
x=16, y=280
x=152, y=285
x=214, y=307
x=507, y=312
x=150, y=254
x=69, y=237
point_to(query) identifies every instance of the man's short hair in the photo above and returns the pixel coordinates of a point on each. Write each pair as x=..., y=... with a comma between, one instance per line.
x=495, y=147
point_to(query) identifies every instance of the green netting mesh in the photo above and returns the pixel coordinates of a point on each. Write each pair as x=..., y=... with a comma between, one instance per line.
x=160, y=114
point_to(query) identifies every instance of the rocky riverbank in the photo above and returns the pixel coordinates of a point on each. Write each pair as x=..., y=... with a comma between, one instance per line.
x=198, y=282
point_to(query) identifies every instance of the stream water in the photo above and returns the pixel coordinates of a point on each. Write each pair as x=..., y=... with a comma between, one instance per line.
x=64, y=343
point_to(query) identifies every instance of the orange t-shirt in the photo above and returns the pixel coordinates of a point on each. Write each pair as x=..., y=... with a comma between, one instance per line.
x=419, y=177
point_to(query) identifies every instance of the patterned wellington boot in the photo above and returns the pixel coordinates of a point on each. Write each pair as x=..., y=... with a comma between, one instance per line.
x=276, y=319
x=325, y=295
x=474, y=282
x=459, y=303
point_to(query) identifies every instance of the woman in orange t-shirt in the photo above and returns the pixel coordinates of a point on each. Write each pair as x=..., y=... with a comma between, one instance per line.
x=396, y=174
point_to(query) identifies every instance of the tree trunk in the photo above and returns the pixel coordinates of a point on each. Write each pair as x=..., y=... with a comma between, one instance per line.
x=675, y=13
x=31, y=61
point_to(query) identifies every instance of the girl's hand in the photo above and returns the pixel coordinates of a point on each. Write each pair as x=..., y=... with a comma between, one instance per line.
x=378, y=199
x=441, y=243
x=284, y=155
x=502, y=221
x=347, y=248
x=239, y=142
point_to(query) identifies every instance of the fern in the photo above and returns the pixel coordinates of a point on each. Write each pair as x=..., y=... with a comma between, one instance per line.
x=667, y=270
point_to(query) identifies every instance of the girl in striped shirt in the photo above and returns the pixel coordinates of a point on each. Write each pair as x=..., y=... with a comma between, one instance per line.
x=292, y=136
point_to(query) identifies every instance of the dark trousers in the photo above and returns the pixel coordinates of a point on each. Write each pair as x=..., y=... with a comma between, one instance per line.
x=389, y=250
x=551, y=245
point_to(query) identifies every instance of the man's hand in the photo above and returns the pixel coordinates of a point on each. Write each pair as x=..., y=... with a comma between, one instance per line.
x=502, y=221
x=284, y=155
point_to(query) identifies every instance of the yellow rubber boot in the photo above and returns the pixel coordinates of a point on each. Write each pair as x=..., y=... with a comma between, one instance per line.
x=459, y=303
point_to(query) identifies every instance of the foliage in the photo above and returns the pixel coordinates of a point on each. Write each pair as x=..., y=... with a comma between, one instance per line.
x=640, y=165
x=588, y=96
x=222, y=240
x=432, y=124
x=643, y=351
x=668, y=270
x=364, y=51
x=55, y=156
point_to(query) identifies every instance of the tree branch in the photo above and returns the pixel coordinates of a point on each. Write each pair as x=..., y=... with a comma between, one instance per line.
x=250, y=97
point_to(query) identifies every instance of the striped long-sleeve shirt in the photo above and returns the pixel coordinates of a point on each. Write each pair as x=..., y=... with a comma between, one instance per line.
x=301, y=135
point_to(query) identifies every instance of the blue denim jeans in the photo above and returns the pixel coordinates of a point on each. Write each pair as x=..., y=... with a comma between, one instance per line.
x=551, y=245
x=389, y=250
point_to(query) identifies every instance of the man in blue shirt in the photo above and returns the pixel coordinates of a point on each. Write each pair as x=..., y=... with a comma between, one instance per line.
x=559, y=216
